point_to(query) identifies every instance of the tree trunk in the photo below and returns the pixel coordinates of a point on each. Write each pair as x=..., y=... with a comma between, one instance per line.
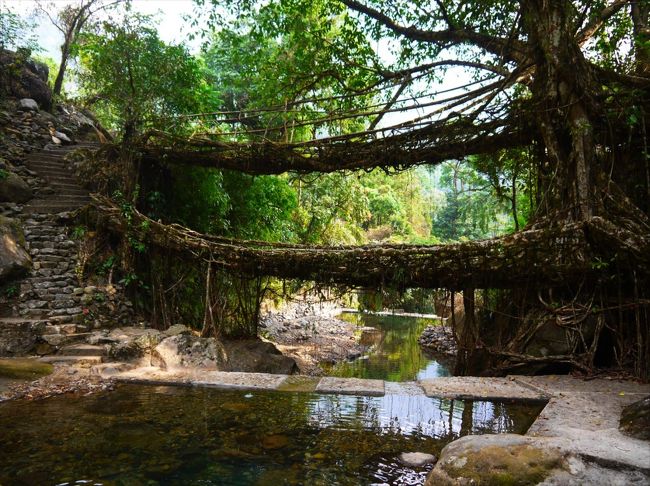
x=65, y=53
x=563, y=88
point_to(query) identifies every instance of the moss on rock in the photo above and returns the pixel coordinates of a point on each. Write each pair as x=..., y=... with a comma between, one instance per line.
x=495, y=460
x=20, y=368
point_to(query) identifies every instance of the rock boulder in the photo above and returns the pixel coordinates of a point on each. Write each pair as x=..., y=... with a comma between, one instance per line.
x=27, y=104
x=13, y=188
x=251, y=355
x=14, y=259
x=22, y=77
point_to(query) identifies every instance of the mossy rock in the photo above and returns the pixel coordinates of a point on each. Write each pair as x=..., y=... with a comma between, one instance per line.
x=24, y=369
x=495, y=460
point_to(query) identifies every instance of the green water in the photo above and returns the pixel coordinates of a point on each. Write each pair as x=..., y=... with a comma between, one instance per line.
x=392, y=351
x=140, y=435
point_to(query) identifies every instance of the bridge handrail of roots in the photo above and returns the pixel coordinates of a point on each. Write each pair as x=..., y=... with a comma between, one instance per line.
x=535, y=257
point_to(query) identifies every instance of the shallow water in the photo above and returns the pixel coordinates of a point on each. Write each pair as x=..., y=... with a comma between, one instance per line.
x=392, y=350
x=180, y=436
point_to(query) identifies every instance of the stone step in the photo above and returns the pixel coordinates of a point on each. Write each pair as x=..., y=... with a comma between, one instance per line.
x=55, y=246
x=73, y=360
x=54, y=279
x=47, y=166
x=52, y=209
x=56, y=185
x=70, y=148
x=59, y=177
x=82, y=349
x=62, y=328
x=20, y=321
x=55, y=174
x=59, y=340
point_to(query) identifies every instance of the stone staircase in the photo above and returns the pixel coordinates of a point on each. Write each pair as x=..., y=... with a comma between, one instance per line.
x=50, y=299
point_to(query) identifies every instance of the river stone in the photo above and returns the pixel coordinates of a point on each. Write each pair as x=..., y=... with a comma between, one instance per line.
x=248, y=355
x=416, y=459
x=131, y=343
x=27, y=104
x=14, y=259
x=635, y=419
x=496, y=459
x=177, y=329
x=257, y=356
x=183, y=351
x=13, y=188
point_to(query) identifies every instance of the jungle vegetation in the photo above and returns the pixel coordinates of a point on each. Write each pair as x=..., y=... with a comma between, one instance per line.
x=330, y=122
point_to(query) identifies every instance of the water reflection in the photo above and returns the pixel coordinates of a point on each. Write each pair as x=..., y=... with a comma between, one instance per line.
x=391, y=350
x=179, y=436
x=414, y=415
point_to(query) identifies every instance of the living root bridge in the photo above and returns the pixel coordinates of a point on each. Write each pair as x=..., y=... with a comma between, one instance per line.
x=430, y=145
x=535, y=258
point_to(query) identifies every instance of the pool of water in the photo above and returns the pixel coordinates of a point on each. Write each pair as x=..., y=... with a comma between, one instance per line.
x=391, y=350
x=179, y=436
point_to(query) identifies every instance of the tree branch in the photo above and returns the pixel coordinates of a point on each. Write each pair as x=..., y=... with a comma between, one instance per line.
x=510, y=50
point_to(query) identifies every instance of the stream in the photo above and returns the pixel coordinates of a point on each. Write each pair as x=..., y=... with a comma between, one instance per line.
x=179, y=435
x=391, y=350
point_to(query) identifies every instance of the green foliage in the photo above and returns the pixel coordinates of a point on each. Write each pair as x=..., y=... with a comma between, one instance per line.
x=138, y=80
x=259, y=207
x=16, y=32
x=11, y=291
x=79, y=232
x=52, y=67
x=3, y=174
x=197, y=199
x=106, y=265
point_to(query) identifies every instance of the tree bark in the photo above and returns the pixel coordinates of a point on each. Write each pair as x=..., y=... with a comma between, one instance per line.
x=562, y=89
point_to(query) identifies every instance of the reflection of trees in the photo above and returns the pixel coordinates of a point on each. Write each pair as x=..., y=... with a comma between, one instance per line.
x=397, y=357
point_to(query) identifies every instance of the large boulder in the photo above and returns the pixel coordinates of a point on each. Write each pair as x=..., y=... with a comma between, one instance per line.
x=495, y=459
x=22, y=77
x=499, y=459
x=13, y=188
x=188, y=351
x=252, y=355
x=14, y=259
x=257, y=356
x=128, y=343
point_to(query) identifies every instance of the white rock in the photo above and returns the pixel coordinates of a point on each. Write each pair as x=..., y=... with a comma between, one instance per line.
x=416, y=459
x=27, y=104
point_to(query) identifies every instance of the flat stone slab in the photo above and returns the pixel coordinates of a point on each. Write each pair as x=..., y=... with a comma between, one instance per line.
x=351, y=386
x=552, y=384
x=245, y=381
x=198, y=377
x=478, y=388
x=72, y=360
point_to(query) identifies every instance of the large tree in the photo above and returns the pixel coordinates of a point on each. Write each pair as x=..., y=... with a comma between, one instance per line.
x=566, y=80
x=70, y=20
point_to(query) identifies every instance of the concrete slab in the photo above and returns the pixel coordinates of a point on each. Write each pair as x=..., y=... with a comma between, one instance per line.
x=552, y=384
x=478, y=388
x=351, y=386
x=198, y=377
x=243, y=381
